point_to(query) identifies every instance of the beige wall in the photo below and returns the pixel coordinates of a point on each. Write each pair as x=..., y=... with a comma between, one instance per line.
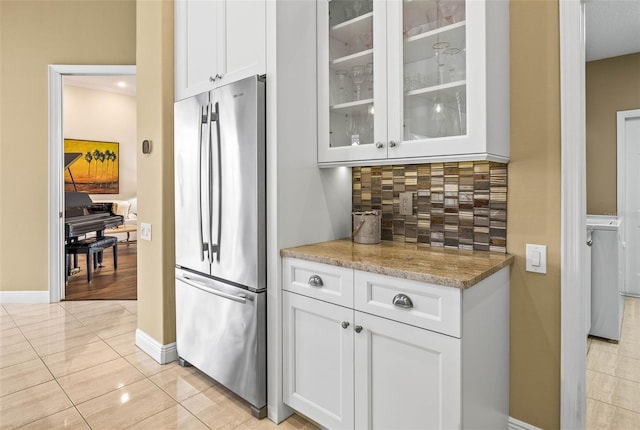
x=35, y=34
x=613, y=84
x=156, y=262
x=533, y=214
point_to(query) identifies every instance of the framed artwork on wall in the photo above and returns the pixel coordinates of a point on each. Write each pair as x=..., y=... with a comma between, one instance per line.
x=91, y=166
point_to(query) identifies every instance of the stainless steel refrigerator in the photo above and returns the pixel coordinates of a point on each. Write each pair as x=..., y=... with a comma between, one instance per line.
x=220, y=234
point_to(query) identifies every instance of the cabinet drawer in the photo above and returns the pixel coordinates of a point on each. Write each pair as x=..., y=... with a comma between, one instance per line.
x=332, y=284
x=429, y=306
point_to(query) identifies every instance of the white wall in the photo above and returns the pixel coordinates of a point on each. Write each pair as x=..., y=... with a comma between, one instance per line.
x=109, y=117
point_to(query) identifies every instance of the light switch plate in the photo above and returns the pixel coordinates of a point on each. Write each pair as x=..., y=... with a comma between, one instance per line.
x=145, y=231
x=406, y=203
x=536, y=258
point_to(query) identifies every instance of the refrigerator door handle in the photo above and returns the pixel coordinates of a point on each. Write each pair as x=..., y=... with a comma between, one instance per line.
x=240, y=298
x=215, y=117
x=211, y=118
x=203, y=120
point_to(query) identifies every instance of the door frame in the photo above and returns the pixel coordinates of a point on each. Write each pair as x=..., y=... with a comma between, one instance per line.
x=621, y=207
x=573, y=255
x=56, y=168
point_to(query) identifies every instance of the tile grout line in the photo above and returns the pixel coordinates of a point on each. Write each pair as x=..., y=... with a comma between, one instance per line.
x=615, y=406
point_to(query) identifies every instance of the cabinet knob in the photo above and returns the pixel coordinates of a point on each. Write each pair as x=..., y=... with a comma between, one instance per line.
x=212, y=79
x=358, y=328
x=218, y=76
x=315, y=281
x=379, y=145
x=344, y=324
x=393, y=144
x=402, y=301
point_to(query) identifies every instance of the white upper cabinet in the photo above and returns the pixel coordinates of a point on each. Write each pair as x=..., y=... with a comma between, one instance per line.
x=217, y=42
x=412, y=81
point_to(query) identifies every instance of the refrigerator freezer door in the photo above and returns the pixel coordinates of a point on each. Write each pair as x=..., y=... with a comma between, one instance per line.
x=221, y=330
x=238, y=177
x=192, y=161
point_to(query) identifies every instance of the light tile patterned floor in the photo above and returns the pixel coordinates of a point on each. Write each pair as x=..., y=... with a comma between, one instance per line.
x=74, y=365
x=613, y=376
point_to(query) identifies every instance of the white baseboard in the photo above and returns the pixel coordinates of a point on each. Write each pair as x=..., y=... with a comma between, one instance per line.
x=163, y=354
x=515, y=424
x=24, y=296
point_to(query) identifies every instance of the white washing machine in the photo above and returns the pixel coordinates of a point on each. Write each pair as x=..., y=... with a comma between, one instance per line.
x=607, y=302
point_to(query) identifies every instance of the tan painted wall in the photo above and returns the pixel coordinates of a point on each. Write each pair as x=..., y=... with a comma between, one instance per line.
x=533, y=214
x=156, y=261
x=35, y=34
x=613, y=84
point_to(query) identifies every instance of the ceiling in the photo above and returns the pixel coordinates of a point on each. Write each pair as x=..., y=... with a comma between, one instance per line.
x=612, y=28
x=110, y=83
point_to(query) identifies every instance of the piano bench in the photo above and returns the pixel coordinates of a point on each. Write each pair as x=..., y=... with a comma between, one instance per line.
x=90, y=247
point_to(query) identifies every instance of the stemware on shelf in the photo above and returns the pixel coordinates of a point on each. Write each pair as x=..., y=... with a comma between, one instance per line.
x=438, y=49
x=451, y=59
x=442, y=117
x=358, y=77
x=357, y=6
x=450, y=11
x=370, y=80
x=432, y=13
x=341, y=77
x=348, y=11
x=462, y=112
x=352, y=127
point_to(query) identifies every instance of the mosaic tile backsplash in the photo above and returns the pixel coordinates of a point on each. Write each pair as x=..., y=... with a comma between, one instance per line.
x=455, y=205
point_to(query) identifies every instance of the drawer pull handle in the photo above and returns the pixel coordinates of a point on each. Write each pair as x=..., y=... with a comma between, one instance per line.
x=315, y=281
x=344, y=324
x=402, y=301
x=358, y=328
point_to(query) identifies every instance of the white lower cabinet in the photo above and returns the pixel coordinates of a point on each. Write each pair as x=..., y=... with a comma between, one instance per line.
x=318, y=360
x=372, y=364
x=405, y=377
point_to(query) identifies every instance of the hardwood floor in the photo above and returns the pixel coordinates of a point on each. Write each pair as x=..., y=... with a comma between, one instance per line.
x=107, y=283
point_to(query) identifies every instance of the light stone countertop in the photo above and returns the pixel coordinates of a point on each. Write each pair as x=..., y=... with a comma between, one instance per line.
x=448, y=267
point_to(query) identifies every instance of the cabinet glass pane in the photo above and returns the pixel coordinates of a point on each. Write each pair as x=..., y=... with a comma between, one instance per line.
x=434, y=68
x=351, y=59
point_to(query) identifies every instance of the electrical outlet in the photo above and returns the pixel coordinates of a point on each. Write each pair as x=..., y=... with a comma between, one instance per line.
x=406, y=203
x=145, y=231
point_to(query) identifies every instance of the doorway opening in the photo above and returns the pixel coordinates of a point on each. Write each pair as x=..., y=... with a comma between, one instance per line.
x=82, y=108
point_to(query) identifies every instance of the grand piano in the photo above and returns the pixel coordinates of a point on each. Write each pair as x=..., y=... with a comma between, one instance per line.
x=81, y=214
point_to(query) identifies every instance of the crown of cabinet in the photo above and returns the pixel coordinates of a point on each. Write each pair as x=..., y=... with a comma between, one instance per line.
x=435, y=85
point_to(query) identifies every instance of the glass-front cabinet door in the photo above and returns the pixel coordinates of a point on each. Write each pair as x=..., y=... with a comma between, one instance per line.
x=413, y=81
x=433, y=69
x=352, y=79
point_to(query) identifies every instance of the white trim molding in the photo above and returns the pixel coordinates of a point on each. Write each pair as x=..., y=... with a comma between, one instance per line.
x=515, y=424
x=56, y=169
x=163, y=354
x=573, y=254
x=24, y=297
